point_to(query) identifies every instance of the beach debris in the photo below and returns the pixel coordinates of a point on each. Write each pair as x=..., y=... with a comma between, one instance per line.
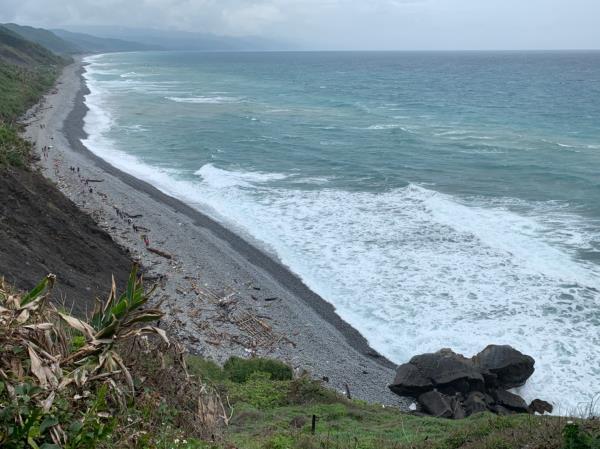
x=449, y=385
x=159, y=252
x=274, y=298
x=91, y=180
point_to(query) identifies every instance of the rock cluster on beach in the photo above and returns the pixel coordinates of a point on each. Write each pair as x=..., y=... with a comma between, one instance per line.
x=449, y=385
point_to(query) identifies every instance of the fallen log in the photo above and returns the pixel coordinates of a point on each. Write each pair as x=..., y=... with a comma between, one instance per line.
x=159, y=252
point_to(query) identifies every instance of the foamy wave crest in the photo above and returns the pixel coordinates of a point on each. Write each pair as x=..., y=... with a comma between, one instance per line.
x=386, y=126
x=205, y=100
x=222, y=178
x=133, y=75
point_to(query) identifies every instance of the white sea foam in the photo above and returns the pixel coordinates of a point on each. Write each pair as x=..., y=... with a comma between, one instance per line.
x=222, y=178
x=433, y=272
x=413, y=269
x=380, y=127
x=205, y=100
x=133, y=75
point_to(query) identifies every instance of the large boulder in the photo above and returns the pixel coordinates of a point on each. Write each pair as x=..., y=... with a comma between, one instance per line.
x=436, y=404
x=477, y=402
x=410, y=382
x=445, y=370
x=510, y=401
x=510, y=367
x=449, y=385
x=539, y=406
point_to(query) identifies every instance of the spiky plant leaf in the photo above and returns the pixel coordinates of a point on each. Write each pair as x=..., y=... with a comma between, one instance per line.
x=144, y=317
x=87, y=330
x=47, y=282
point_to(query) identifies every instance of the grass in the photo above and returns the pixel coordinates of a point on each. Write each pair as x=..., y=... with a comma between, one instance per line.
x=278, y=414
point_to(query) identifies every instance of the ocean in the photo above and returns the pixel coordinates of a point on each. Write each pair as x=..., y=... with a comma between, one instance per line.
x=435, y=199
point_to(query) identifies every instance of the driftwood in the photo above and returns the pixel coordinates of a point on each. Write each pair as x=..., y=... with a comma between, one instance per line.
x=94, y=180
x=159, y=252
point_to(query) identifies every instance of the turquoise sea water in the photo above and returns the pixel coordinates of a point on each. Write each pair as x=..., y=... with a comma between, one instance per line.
x=436, y=199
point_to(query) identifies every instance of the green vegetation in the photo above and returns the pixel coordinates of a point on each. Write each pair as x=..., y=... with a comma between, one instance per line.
x=114, y=382
x=27, y=71
x=14, y=49
x=45, y=38
x=14, y=151
x=240, y=370
x=22, y=87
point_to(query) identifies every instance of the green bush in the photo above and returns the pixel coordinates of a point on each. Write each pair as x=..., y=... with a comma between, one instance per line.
x=259, y=391
x=14, y=150
x=576, y=438
x=307, y=391
x=204, y=369
x=239, y=370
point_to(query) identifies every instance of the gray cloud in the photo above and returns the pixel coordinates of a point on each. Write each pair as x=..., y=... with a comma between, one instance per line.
x=344, y=24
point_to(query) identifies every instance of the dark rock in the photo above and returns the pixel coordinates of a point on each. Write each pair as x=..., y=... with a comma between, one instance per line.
x=539, y=406
x=510, y=400
x=477, y=402
x=490, y=379
x=449, y=385
x=511, y=367
x=409, y=381
x=458, y=410
x=445, y=370
x=436, y=404
x=500, y=410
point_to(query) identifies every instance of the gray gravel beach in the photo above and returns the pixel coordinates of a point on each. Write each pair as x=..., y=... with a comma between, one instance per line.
x=222, y=295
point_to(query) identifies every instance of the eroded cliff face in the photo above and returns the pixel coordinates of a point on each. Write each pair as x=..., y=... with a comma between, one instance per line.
x=42, y=231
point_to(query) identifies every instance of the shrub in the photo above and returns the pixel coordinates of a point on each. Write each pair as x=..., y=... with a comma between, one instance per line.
x=14, y=150
x=307, y=391
x=239, y=370
x=259, y=391
x=576, y=438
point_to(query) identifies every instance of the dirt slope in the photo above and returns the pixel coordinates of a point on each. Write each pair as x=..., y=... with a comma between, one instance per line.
x=42, y=231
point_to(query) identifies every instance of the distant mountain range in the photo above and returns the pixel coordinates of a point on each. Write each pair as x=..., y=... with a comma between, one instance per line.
x=64, y=42
x=182, y=40
x=104, y=39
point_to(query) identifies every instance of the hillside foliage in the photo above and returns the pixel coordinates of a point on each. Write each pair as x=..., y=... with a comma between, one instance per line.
x=114, y=380
x=27, y=71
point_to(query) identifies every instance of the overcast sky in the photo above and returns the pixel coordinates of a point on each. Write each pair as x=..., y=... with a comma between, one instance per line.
x=342, y=24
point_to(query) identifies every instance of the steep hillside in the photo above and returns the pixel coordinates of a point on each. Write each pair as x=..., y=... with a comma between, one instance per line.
x=39, y=227
x=44, y=38
x=14, y=49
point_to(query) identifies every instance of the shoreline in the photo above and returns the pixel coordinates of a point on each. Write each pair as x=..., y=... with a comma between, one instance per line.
x=281, y=308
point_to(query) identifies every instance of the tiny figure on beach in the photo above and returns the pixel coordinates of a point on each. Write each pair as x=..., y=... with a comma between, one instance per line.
x=146, y=240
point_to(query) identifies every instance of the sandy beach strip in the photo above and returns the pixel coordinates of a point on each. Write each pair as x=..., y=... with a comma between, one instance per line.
x=222, y=295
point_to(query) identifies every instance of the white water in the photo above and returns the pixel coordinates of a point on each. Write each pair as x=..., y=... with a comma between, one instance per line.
x=414, y=270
